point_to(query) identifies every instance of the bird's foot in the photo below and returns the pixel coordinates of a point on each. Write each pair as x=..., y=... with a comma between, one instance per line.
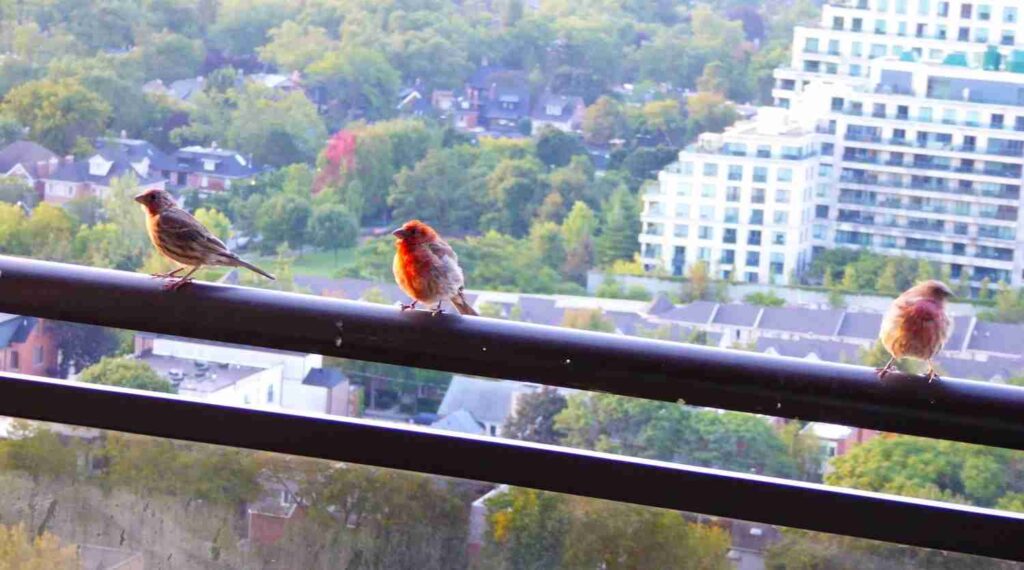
x=437, y=311
x=883, y=372
x=175, y=285
x=406, y=307
x=167, y=274
x=932, y=376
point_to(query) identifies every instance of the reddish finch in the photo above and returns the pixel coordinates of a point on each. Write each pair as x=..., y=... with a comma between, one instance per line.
x=181, y=238
x=427, y=269
x=917, y=325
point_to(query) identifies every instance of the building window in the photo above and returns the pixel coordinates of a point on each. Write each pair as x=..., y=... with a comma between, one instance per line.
x=710, y=169
x=981, y=35
x=683, y=189
x=781, y=196
x=757, y=196
x=778, y=238
x=729, y=235
x=707, y=213
x=15, y=360
x=683, y=211
x=964, y=35
x=984, y=12
x=757, y=217
x=811, y=45
x=1010, y=15
x=704, y=254
x=760, y=174
x=706, y=232
x=821, y=212
x=1008, y=38
x=754, y=237
x=270, y=394
x=781, y=218
x=965, y=11
x=707, y=190
x=735, y=172
x=37, y=355
x=732, y=194
x=857, y=49
x=784, y=175
x=686, y=168
x=728, y=257
x=681, y=231
x=753, y=259
x=732, y=215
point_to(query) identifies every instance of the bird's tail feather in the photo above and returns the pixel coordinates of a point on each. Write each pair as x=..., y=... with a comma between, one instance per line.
x=462, y=305
x=243, y=263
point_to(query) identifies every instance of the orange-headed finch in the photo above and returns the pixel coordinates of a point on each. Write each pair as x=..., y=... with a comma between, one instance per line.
x=917, y=325
x=181, y=238
x=427, y=269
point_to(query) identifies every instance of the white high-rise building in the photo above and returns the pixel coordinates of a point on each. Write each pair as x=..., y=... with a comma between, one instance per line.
x=910, y=120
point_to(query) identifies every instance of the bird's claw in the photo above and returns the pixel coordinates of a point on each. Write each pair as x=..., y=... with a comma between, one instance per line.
x=437, y=311
x=167, y=274
x=175, y=285
x=409, y=306
x=883, y=372
x=932, y=375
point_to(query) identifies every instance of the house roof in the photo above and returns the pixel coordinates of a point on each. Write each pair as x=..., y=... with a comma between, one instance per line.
x=737, y=315
x=121, y=164
x=540, y=311
x=488, y=401
x=349, y=288
x=324, y=377
x=660, y=304
x=461, y=421
x=226, y=163
x=992, y=368
x=961, y=326
x=15, y=328
x=25, y=153
x=826, y=350
x=627, y=323
x=566, y=106
x=517, y=96
x=698, y=312
x=823, y=322
x=134, y=150
x=997, y=337
x=860, y=325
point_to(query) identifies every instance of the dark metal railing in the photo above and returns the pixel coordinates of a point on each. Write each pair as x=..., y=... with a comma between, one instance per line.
x=949, y=409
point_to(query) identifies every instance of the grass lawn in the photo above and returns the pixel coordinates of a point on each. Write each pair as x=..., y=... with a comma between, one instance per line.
x=316, y=263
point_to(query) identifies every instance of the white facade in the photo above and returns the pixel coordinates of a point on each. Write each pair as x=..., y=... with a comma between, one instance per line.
x=918, y=111
x=739, y=201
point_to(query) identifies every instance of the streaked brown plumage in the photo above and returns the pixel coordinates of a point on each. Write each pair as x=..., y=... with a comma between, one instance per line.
x=181, y=238
x=427, y=269
x=917, y=326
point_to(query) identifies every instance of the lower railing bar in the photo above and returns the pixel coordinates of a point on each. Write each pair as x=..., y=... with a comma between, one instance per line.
x=767, y=500
x=950, y=409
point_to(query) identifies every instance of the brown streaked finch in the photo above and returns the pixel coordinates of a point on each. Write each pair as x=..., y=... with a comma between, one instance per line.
x=917, y=326
x=181, y=238
x=427, y=269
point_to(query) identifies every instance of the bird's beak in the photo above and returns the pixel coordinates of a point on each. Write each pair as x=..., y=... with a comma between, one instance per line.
x=399, y=233
x=140, y=197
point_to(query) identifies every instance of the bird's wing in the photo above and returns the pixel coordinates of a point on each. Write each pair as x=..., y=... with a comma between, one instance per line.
x=441, y=249
x=180, y=226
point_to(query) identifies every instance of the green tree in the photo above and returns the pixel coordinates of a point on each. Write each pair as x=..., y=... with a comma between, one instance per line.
x=276, y=130
x=620, y=227
x=444, y=188
x=1009, y=306
x=767, y=299
x=333, y=227
x=242, y=26
x=14, y=190
x=57, y=113
x=925, y=271
x=546, y=241
x=603, y=121
x=534, y=417
x=985, y=289
x=527, y=528
x=356, y=80
x=126, y=373
x=556, y=148
x=666, y=119
x=20, y=549
x=12, y=224
x=284, y=219
x=83, y=345
x=709, y=112
x=516, y=188
x=38, y=452
x=216, y=222
x=587, y=319
x=295, y=46
x=49, y=233
x=169, y=57
x=887, y=280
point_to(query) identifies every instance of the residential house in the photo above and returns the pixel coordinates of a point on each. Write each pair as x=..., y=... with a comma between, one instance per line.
x=562, y=112
x=494, y=99
x=211, y=168
x=183, y=90
x=481, y=406
x=836, y=440
x=27, y=161
x=239, y=375
x=113, y=159
x=28, y=345
x=270, y=516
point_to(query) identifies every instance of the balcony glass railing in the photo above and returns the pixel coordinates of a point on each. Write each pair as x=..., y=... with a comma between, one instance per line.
x=396, y=495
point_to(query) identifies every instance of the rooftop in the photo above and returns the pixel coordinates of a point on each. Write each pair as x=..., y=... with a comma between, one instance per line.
x=216, y=377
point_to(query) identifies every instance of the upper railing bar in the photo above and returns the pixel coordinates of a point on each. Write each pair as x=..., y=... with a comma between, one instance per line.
x=915, y=522
x=957, y=410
